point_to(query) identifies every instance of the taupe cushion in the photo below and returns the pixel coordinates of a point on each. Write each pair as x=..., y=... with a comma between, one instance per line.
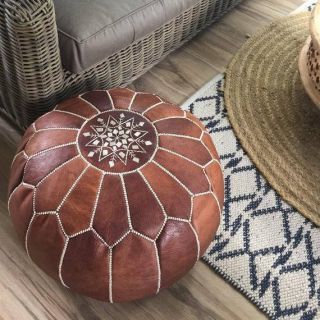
x=90, y=31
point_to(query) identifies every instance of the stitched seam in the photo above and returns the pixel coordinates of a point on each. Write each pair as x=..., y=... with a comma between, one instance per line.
x=125, y=195
x=183, y=157
x=173, y=176
x=132, y=100
x=110, y=276
x=90, y=104
x=61, y=262
x=197, y=240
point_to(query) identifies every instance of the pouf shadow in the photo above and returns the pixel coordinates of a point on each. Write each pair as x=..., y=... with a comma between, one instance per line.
x=116, y=194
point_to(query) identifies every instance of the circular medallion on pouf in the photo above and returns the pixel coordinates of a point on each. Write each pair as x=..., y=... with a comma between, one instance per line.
x=116, y=194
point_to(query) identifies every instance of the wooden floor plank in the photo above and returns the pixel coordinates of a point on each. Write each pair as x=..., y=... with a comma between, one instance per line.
x=27, y=293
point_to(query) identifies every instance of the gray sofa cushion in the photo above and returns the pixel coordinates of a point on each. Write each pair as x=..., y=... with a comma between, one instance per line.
x=91, y=30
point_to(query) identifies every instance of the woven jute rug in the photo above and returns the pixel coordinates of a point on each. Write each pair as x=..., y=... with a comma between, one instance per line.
x=275, y=121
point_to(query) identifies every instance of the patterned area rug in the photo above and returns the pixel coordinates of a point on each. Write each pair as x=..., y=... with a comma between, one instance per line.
x=263, y=247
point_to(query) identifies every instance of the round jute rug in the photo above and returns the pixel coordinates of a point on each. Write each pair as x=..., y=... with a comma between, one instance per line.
x=274, y=119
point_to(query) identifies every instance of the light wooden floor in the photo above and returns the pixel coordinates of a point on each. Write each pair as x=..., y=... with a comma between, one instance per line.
x=27, y=293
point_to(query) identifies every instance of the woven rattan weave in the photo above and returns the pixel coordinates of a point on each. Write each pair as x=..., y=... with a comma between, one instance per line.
x=32, y=79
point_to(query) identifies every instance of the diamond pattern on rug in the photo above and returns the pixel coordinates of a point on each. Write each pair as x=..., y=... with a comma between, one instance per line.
x=263, y=246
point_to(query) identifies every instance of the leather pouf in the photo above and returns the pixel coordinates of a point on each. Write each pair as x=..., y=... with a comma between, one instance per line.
x=116, y=194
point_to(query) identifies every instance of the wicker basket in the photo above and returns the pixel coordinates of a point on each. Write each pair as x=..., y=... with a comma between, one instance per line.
x=32, y=79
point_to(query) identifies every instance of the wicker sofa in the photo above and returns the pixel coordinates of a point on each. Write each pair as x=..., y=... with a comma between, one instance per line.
x=33, y=78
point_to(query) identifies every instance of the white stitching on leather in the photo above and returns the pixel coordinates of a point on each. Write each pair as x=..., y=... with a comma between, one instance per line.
x=96, y=200
x=80, y=232
x=162, y=227
x=27, y=235
x=191, y=209
x=212, y=191
x=90, y=104
x=110, y=276
x=126, y=201
x=158, y=266
x=178, y=219
x=172, y=176
x=100, y=238
x=52, y=148
x=58, y=128
x=72, y=187
x=151, y=107
x=132, y=99
x=70, y=113
x=15, y=157
x=179, y=136
x=153, y=192
x=197, y=240
x=61, y=225
x=181, y=156
x=141, y=235
x=14, y=190
x=46, y=213
x=111, y=100
x=56, y=169
x=120, y=239
x=61, y=261
x=168, y=118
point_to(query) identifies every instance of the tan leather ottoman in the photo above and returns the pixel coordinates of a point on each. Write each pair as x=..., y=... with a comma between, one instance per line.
x=116, y=194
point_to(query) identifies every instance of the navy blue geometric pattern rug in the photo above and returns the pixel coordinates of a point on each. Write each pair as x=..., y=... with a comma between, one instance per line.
x=263, y=247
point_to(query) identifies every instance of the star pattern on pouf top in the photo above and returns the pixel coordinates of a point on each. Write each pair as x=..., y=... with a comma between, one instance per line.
x=117, y=139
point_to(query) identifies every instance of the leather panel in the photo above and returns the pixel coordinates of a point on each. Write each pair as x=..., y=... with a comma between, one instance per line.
x=184, y=170
x=146, y=214
x=17, y=169
x=48, y=196
x=164, y=110
x=180, y=126
x=217, y=181
x=85, y=266
x=205, y=219
x=135, y=272
x=188, y=148
x=207, y=141
x=45, y=244
x=77, y=106
x=196, y=120
x=143, y=101
x=174, y=198
x=27, y=135
x=177, y=248
x=121, y=98
x=46, y=139
x=77, y=210
x=20, y=208
x=57, y=119
x=111, y=219
x=99, y=98
x=41, y=165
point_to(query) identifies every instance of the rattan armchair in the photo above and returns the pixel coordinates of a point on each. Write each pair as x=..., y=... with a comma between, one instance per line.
x=32, y=79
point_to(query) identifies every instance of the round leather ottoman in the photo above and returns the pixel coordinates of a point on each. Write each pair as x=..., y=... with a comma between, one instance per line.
x=116, y=194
